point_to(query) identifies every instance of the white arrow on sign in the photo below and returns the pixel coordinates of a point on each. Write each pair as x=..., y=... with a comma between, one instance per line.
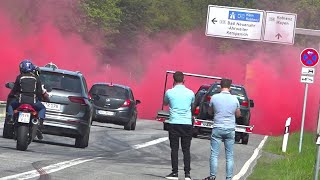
x=280, y=27
x=235, y=23
x=308, y=71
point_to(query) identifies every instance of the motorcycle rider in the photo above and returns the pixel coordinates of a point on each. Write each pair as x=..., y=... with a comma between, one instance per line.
x=28, y=90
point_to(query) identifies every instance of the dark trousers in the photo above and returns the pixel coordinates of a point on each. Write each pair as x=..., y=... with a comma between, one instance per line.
x=177, y=131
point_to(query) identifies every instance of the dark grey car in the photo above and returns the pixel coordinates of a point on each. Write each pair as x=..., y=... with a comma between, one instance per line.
x=69, y=112
x=114, y=103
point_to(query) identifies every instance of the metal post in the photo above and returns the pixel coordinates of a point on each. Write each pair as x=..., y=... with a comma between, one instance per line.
x=303, y=115
x=286, y=135
x=165, y=88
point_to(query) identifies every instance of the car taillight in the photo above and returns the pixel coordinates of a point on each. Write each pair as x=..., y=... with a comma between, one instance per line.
x=197, y=123
x=79, y=100
x=126, y=103
x=249, y=129
x=245, y=103
x=161, y=119
x=197, y=110
x=208, y=98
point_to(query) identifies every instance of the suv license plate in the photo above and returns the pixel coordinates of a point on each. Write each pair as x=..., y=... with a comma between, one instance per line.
x=24, y=117
x=52, y=106
x=207, y=124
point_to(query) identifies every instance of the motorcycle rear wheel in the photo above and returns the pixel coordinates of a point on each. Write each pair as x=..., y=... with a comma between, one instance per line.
x=22, y=137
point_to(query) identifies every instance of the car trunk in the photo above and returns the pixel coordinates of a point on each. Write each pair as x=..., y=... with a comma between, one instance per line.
x=106, y=102
x=107, y=96
x=67, y=103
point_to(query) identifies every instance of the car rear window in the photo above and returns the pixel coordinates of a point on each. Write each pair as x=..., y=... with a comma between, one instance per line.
x=110, y=91
x=60, y=81
x=237, y=91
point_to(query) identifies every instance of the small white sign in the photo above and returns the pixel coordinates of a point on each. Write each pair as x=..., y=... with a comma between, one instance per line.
x=308, y=71
x=235, y=23
x=318, y=140
x=280, y=27
x=306, y=79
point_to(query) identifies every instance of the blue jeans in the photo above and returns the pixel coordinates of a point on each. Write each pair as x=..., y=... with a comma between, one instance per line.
x=227, y=136
x=38, y=106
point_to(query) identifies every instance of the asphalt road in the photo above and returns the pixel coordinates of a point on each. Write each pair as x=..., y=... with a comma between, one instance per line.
x=113, y=153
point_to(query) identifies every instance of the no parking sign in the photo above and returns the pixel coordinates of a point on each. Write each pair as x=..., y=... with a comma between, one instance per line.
x=309, y=57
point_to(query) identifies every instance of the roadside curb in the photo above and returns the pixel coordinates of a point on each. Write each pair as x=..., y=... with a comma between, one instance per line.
x=247, y=168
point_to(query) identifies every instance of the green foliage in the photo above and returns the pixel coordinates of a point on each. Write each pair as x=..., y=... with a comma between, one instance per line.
x=103, y=13
x=129, y=18
x=274, y=164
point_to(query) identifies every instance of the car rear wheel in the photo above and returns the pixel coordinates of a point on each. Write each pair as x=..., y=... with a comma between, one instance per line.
x=134, y=123
x=7, y=131
x=129, y=125
x=245, y=138
x=83, y=141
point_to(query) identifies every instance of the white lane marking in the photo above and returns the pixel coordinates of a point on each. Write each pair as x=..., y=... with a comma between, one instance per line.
x=63, y=165
x=150, y=143
x=246, y=166
x=48, y=169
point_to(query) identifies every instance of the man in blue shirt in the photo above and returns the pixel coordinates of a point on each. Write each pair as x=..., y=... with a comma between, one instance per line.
x=180, y=100
x=225, y=108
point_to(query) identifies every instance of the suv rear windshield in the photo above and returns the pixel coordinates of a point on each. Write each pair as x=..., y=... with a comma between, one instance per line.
x=110, y=91
x=60, y=81
x=235, y=90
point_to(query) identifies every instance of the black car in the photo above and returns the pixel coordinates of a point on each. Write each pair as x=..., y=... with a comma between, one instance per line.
x=69, y=112
x=114, y=103
x=245, y=105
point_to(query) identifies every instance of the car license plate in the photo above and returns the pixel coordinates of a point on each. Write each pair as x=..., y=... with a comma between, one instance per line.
x=24, y=117
x=207, y=124
x=52, y=106
x=106, y=113
x=240, y=129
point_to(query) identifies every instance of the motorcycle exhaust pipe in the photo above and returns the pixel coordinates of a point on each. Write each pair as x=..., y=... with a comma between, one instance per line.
x=35, y=121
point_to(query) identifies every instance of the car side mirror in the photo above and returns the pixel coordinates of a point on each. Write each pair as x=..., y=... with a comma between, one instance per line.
x=251, y=103
x=138, y=101
x=9, y=85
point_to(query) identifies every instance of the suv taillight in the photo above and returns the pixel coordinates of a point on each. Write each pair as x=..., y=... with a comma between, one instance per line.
x=76, y=99
x=208, y=98
x=245, y=103
x=126, y=103
x=196, y=111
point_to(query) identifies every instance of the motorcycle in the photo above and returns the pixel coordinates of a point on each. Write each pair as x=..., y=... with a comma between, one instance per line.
x=26, y=124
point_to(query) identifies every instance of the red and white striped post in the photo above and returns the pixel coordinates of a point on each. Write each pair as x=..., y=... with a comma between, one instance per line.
x=286, y=135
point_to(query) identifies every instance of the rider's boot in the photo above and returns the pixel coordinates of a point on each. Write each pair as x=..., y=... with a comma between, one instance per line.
x=39, y=131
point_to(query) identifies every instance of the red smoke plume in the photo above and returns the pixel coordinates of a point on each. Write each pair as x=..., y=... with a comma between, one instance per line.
x=272, y=79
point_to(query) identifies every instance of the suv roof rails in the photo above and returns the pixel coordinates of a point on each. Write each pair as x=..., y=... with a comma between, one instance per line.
x=51, y=65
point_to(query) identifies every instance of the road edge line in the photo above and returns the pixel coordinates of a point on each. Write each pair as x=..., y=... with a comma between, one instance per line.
x=246, y=166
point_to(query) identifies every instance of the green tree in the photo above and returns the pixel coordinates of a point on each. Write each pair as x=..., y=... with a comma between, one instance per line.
x=104, y=14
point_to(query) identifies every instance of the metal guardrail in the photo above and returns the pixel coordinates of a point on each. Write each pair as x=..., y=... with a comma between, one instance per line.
x=3, y=105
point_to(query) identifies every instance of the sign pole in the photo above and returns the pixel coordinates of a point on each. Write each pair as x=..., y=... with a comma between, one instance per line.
x=303, y=115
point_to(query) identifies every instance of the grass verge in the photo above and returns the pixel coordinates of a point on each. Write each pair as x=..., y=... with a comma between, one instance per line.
x=291, y=165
